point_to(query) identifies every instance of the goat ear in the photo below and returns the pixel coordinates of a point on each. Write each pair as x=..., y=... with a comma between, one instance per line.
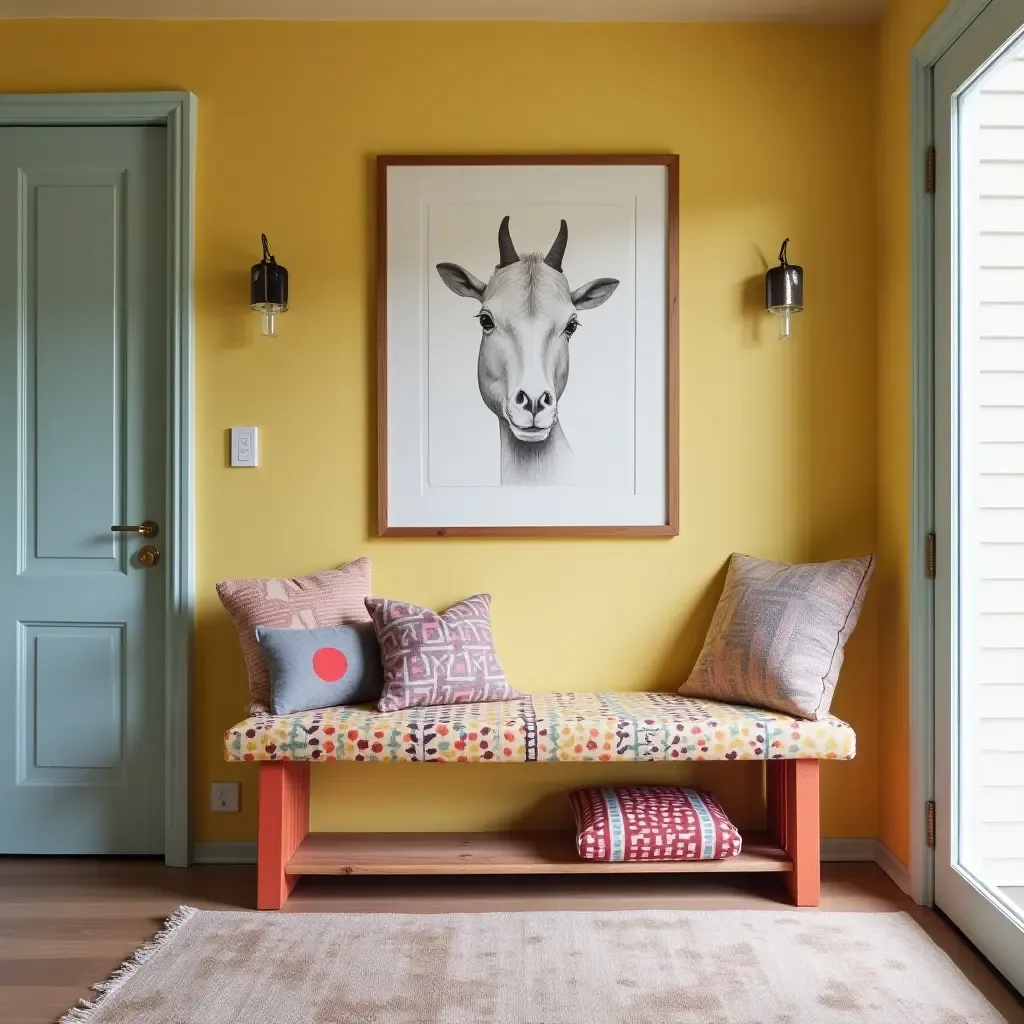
x=593, y=293
x=462, y=282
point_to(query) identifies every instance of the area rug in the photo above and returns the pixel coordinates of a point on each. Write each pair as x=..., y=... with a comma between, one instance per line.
x=646, y=967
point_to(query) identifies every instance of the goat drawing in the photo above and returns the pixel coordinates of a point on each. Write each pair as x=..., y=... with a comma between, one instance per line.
x=527, y=316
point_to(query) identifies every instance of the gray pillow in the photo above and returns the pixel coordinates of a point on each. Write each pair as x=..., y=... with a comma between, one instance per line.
x=321, y=668
x=778, y=634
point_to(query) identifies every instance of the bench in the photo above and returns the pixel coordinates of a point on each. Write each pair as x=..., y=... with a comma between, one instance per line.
x=573, y=727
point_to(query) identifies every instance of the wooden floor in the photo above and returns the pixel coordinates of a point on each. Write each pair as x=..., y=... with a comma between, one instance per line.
x=65, y=924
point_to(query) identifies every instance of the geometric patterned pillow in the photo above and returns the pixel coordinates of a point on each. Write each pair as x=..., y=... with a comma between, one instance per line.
x=437, y=659
x=331, y=598
x=628, y=823
x=778, y=634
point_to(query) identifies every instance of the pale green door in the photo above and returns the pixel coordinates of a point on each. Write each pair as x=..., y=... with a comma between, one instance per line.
x=83, y=223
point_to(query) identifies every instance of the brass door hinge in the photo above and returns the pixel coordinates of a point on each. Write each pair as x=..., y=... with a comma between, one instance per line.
x=929, y=171
x=929, y=556
x=929, y=819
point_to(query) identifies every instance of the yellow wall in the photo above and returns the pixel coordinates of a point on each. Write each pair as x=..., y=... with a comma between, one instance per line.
x=905, y=22
x=775, y=127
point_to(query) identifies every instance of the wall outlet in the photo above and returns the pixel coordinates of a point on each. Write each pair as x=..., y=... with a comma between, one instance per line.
x=245, y=447
x=224, y=797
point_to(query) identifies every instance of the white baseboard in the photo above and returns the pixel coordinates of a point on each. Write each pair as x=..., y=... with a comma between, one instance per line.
x=893, y=867
x=224, y=853
x=856, y=849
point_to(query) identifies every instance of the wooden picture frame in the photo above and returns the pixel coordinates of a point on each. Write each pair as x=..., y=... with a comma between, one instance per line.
x=668, y=524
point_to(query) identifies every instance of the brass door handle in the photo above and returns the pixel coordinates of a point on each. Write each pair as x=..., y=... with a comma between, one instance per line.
x=146, y=529
x=148, y=556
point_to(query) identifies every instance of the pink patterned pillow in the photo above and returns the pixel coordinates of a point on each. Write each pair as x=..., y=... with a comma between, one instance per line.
x=626, y=823
x=438, y=659
x=331, y=598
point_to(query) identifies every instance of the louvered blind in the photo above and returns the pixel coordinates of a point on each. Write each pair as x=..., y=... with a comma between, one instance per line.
x=991, y=168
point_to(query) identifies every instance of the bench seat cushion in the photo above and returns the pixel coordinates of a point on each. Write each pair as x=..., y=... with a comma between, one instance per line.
x=543, y=727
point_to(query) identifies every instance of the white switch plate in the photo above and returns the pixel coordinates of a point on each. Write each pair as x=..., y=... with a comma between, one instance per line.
x=224, y=797
x=245, y=450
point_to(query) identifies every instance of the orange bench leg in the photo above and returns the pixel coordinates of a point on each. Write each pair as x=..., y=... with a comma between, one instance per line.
x=283, y=824
x=793, y=819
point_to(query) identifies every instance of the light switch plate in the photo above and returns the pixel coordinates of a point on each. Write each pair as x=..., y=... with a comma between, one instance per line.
x=224, y=797
x=245, y=451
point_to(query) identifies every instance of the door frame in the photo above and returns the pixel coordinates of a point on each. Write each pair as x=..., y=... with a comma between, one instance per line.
x=943, y=33
x=177, y=112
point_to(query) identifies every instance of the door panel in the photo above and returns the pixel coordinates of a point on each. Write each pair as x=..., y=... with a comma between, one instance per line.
x=82, y=438
x=72, y=442
x=75, y=674
x=979, y=404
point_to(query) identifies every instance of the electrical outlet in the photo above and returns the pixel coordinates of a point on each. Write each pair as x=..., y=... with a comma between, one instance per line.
x=224, y=797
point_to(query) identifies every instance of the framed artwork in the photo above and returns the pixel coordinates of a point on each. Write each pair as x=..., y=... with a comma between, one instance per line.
x=527, y=354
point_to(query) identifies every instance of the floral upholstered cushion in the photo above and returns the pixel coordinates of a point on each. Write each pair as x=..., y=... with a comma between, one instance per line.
x=627, y=823
x=544, y=727
x=779, y=632
x=432, y=658
x=331, y=598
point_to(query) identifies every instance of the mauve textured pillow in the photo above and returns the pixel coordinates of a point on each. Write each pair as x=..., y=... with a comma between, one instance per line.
x=321, y=668
x=331, y=598
x=778, y=634
x=437, y=659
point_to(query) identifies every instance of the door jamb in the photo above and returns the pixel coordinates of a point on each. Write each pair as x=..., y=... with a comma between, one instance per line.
x=177, y=111
x=945, y=31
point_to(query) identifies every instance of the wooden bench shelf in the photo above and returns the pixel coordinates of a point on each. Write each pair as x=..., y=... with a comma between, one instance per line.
x=287, y=849
x=490, y=853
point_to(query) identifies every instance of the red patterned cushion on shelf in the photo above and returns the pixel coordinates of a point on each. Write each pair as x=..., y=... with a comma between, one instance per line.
x=652, y=823
x=438, y=659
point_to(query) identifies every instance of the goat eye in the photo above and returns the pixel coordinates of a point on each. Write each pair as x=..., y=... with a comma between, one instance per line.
x=486, y=322
x=571, y=327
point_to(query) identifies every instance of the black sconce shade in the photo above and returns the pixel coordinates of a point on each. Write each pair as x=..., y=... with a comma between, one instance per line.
x=784, y=291
x=268, y=289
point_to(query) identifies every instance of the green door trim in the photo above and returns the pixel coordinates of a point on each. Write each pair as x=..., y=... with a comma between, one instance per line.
x=177, y=111
x=957, y=17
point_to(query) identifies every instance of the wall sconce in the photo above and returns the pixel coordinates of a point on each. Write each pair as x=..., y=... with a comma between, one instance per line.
x=268, y=290
x=784, y=292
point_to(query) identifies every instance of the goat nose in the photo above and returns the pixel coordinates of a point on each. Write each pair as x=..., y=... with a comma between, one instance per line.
x=535, y=405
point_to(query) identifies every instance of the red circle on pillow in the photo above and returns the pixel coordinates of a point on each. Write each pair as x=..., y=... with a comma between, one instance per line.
x=329, y=664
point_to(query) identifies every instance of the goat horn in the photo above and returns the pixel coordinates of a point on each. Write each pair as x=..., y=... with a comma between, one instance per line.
x=507, y=254
x=557, y=250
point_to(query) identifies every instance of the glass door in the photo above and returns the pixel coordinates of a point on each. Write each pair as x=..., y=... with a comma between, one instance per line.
x=979, y=359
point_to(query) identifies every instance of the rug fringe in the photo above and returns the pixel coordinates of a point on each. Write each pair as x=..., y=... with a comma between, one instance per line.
x=82, y=1013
